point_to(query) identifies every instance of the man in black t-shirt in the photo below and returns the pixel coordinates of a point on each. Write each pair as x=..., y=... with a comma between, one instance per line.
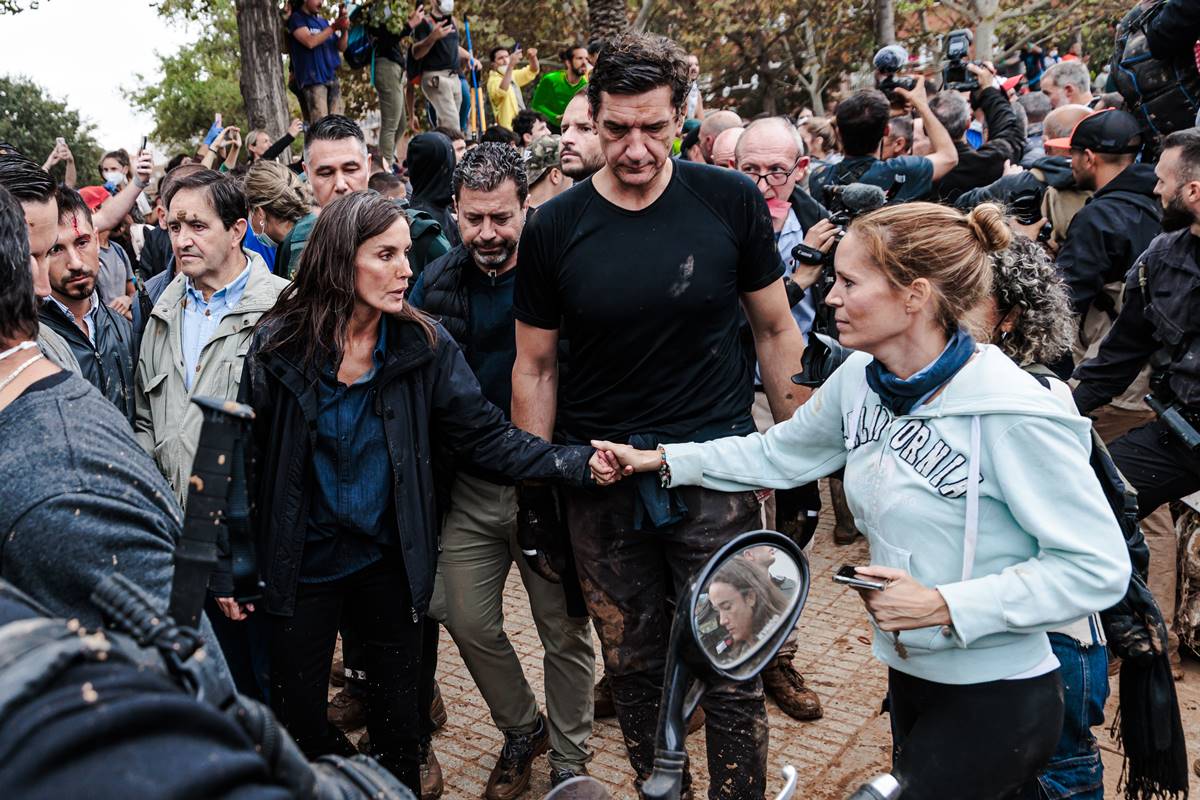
x=436, y=48
x=645, y=264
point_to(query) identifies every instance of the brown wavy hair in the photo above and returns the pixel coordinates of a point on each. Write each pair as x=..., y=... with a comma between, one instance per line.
x=314, y=311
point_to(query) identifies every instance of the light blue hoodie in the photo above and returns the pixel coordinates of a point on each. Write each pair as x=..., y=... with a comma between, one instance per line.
x=1048, y=549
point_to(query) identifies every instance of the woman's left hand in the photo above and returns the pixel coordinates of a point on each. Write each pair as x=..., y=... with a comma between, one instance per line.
x=905, y=604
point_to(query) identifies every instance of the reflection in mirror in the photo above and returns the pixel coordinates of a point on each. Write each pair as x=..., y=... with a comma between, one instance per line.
x=745, y=602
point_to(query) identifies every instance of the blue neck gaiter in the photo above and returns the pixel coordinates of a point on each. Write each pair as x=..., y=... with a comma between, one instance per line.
x=902, y=396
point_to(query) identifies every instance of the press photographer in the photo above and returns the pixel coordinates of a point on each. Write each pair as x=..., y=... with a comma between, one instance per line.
x=968, y=86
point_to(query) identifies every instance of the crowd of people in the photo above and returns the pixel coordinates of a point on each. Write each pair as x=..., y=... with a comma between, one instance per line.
x=562, y=329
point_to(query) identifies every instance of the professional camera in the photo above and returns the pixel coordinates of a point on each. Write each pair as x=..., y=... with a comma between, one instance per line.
x=955, y=75
x=888, y=61
x=1026, y=208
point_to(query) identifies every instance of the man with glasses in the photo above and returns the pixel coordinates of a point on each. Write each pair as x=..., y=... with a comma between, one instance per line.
x=771, y=153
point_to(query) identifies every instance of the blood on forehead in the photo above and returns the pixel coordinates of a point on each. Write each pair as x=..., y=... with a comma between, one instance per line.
x=75, y=224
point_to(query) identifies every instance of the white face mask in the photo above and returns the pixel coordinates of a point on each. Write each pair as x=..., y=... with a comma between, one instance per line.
x=445, y=7
x=115, y=177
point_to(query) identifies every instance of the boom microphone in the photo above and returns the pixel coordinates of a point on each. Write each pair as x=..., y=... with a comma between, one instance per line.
x=860, y=198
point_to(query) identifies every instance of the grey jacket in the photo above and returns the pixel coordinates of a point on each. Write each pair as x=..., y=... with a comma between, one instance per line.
x=79, y=500
x=55, y=348
x=166, y=422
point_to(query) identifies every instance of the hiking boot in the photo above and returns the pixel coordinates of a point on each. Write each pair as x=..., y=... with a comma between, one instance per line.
x=437, y=709
x=431, y=774
x=844, y=531
x=347, y=711
x=695, y=721
x=510, y=776
x=786, y=687
x=602, y=695
x=1196, y=767
x=563, y=774
x=337, y=675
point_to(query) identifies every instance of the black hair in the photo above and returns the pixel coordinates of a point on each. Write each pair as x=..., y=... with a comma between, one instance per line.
x=175, y=161
x=567, y=52
x=453, y=134
x=224, y=195
x=862, y=119
x=484, y=167
x=71, y=203
x=384, y=182
x=1188, y=142
x=494, y=50
x=524, y=121
x=501, y=134
x=635, y=63
x=332, y=128
x=25, y=180
x=595, y=46
x=18, y=309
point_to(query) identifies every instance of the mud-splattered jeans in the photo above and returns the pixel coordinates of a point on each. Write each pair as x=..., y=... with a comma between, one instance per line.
x=627, y=577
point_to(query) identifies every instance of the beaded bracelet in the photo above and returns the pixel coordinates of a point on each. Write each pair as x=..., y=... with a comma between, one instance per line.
x=664, y=469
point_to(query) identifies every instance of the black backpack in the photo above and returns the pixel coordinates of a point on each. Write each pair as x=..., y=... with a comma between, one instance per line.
x=1165, y=95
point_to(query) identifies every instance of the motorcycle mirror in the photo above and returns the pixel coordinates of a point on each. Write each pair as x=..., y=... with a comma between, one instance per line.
x=747, y=603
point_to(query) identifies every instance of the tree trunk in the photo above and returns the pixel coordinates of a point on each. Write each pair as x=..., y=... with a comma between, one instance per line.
x=885, y=22
x=987, y=14
x=262, y=78
x=607, y=18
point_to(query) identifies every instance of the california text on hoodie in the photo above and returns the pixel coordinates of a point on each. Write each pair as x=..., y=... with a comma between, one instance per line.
x=1048, y=549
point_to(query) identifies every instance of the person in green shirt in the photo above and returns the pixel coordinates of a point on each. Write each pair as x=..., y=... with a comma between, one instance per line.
x=556, y=89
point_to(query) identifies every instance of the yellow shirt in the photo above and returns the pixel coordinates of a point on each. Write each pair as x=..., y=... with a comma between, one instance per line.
x=504, y=104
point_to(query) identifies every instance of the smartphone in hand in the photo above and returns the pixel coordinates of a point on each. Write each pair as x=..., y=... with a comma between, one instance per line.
x=848, y=576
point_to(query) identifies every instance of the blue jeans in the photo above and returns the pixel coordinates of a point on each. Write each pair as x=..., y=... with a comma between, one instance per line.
x=1075, y=770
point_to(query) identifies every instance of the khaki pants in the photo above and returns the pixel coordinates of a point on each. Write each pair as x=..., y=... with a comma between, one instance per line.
x=479, y=546
x=389, y=85
x=443, y=91
x=1158, y=527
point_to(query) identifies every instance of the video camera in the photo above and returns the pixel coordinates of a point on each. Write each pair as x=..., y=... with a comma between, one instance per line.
x=955, y=75
x=1026, y=208
x=889, y=61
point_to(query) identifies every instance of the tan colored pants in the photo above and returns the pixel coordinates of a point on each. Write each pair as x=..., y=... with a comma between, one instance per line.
x=443, y=91
x=1158, y=527
x=479, y=546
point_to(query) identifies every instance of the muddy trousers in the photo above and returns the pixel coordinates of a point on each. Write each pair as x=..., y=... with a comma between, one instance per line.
x=374, y=603
x=979, y=741
x=627, y=576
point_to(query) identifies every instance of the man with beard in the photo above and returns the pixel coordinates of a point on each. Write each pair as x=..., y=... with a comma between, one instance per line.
x=1157, y=320
x=470, y=289
x=100, y=338
x=581, y=155
x=1123, y=215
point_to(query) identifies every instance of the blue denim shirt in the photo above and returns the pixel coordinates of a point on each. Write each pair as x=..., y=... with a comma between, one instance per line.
x=201, y=318
x=349, y=515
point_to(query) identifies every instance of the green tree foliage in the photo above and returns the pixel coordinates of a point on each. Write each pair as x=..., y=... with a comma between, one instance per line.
x=31, y=120
x=198, y=80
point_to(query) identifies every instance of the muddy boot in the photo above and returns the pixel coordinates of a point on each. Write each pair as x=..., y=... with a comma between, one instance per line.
x=603, y=698
x=844, y=531
x=437, y=709
x=696, y=721
x=510, y=776
x=786, y=687
x=1196, y=767
x=347, y=711
x=563, y=774
x=431, y=773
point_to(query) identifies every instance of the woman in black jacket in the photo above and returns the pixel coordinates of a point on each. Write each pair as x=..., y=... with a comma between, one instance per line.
x=352, y=388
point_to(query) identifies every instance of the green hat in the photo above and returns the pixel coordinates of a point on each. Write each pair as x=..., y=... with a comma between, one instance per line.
x=544, y=153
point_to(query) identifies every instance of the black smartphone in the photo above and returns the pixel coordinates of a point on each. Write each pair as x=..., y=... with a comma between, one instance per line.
x=144, y=140
x=516, y=46
x=848, y=577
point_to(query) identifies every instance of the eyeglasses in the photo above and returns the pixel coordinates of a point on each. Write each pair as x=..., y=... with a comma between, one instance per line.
x=775, y=177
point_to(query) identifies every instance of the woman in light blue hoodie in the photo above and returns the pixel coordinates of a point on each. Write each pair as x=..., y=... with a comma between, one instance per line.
x=970, y=481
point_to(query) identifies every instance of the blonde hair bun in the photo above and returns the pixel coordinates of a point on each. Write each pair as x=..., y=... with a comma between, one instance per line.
x=987, y=223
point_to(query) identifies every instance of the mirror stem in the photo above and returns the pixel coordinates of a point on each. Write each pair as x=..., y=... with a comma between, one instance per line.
x=680, y=692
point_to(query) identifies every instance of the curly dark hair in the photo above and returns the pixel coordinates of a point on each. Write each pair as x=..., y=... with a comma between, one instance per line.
x=635, y=63
x=487, y=165
x=1023, y=275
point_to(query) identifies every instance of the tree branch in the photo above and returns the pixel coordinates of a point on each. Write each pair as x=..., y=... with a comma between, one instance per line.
x=1059, y=18
x=1025, y=10
x=643, y=16
x=959, y=9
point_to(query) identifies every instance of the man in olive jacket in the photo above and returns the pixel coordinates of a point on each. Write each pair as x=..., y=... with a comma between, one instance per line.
x=199, y=331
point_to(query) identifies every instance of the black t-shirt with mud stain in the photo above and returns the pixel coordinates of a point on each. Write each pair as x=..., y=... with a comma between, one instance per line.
x=650, y=300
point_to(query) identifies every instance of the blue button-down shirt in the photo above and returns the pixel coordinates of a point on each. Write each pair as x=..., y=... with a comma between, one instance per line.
x=201, y=318
x=791, y=235
x=352, y=477
x=89, y=319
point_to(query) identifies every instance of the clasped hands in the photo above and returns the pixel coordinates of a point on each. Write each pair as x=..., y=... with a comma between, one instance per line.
x=612, y=461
